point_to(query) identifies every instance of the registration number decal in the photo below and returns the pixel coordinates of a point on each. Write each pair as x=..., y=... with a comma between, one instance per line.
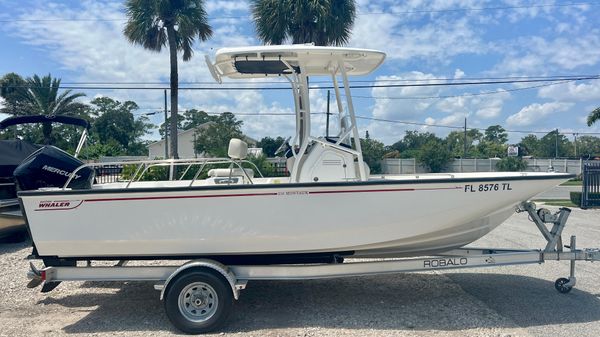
x=473, y=188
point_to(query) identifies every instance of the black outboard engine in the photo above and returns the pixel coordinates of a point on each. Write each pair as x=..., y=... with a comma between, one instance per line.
x=50, y=166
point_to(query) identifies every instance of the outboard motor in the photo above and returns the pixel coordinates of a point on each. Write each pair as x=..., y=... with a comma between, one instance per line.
x=50, y=166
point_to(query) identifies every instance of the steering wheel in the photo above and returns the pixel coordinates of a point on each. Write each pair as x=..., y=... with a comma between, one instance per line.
x=284, y=146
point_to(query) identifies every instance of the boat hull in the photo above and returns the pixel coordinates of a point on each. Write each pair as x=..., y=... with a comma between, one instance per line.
x=403, y=217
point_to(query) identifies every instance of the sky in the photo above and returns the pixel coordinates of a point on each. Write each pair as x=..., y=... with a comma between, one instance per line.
x=435, y=41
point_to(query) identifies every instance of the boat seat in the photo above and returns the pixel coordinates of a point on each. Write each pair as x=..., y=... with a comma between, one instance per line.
x=235, y=172
x=238, y=149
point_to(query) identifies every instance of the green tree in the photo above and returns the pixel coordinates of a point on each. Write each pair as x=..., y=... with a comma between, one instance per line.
x=434, y=155
x=39, y=96
x=13, y=89
x=548, y=145
x=495, y=134
x=373, y=152
x=270, y=145
x=117, y=129
x=214, y=140
x=530, y=145
x=265, y=167
x=412, y=142
x=194, y=118
x=456, y=140
x=154, y=24
x=324, y=22
x=593, y=117
x=588, y=146
x=490, y=149
x=164, y=125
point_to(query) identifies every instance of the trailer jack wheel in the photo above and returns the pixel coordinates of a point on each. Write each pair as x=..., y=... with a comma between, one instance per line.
x=198, y=301
x=562, y=285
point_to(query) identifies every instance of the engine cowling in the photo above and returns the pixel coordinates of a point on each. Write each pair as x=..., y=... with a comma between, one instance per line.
x=50, y=166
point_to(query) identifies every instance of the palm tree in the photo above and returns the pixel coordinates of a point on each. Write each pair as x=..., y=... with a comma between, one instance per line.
x=154, y=24
x=323, y=22
x=593, y=117
x=39, y=96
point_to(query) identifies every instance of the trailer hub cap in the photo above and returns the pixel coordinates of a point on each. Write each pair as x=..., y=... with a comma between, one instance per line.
x=198, y=302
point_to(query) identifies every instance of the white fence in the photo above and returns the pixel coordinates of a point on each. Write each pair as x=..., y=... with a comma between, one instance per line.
x=412, y=166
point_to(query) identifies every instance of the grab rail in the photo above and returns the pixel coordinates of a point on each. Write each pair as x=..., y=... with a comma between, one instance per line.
x=147, y=164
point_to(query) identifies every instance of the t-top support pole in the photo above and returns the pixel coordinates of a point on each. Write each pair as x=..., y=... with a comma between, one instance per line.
x=355, y=135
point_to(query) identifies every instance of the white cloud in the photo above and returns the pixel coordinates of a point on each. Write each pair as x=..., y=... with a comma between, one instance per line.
x=538, y=55
x=227, y=6
x=535, y=112
x=458, y=74
x=572, y=91
x=388, y=107
x=404, y=40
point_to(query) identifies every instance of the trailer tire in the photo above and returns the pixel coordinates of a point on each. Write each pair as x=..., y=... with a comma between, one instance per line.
x=198, y=301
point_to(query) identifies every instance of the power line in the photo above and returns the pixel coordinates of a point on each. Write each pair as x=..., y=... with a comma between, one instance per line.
x=225, y=88
x=416, y=11
x=479, y=9
x=462, y=127
x=385, y=80
x=376, y=119
x=463, y=95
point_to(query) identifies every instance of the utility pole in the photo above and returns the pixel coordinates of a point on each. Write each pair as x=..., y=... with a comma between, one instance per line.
x=166, y=129
x=575, y=135
x=465, y=141
x=556, y=145
x=327, y=125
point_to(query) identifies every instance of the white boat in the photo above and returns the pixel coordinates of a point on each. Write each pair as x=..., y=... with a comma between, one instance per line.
x=329, y=206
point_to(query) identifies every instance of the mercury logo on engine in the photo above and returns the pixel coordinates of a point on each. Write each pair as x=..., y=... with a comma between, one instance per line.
x=48, y=205
x=59, y=171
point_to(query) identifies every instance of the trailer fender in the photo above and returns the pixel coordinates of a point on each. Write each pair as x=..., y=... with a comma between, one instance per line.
x=205, y=263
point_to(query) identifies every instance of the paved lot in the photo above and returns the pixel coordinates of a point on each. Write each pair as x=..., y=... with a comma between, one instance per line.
x=559, y=192
x=505, y=301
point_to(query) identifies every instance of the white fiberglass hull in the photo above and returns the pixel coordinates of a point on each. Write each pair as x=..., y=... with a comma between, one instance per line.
x=414, y=216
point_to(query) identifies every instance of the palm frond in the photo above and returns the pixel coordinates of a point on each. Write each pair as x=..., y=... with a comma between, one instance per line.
x=324, y=22
x=148, y=19
x=593, y=117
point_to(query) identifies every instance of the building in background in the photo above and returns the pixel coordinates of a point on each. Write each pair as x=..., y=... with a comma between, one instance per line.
x=186, y=148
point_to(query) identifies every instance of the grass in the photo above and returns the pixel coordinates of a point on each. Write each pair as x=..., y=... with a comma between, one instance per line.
x=555, y=202
x=572, y=183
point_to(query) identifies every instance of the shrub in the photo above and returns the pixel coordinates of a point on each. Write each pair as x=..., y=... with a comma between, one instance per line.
x=575, y=198
x=434, y=155
x=511, y=164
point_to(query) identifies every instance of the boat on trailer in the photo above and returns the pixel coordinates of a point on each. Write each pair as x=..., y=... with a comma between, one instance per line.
x=328, y=207
x=236, y=225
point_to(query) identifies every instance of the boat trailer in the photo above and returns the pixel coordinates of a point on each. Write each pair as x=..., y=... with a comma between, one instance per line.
x=198, y=295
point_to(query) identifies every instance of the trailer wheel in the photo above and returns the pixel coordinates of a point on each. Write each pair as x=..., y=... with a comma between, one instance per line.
x=198, y=301
x=561, y=285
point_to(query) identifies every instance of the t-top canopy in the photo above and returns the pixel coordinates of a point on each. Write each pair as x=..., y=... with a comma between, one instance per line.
x=17, y=120
x=261, y=61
